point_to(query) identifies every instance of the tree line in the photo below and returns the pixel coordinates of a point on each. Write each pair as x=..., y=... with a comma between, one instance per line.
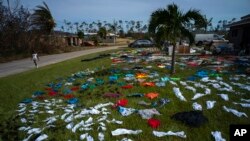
x=119, y=26
x=22, y=30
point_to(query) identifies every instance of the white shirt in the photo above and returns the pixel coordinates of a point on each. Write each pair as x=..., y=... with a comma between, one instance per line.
x=34, y=56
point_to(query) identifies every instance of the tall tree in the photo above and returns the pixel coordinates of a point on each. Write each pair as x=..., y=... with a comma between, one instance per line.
x=77, y=26
x=62, y=27
x=224, y=24
x=144, y=28
x=138, y=26
x=90, y=27
x=114, y=27
x=102, y=32
x=170, y=23
x=207, y=23
x=43, y=19
x=85, y=26
x=127, y=25
x=99, y=24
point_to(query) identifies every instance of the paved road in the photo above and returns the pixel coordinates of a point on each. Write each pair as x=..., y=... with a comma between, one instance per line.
x=26, y=64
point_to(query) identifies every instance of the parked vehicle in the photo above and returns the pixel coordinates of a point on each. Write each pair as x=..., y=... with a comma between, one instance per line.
x=141, y=43
x=201, y=39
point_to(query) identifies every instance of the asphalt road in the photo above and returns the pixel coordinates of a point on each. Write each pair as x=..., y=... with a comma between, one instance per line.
x=27, y=64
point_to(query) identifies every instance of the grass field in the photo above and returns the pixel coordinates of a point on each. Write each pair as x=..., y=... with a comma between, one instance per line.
x=15, y=88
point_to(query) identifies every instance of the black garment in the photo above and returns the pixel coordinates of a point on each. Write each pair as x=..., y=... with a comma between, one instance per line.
x=191, y=118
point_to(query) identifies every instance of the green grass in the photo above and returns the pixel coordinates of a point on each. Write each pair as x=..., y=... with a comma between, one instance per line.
x=17, y=87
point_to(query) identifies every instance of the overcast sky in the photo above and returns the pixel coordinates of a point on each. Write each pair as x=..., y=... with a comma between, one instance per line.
x=109, y=10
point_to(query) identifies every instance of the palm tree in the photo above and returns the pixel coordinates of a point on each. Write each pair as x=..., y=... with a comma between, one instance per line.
x=113, y=27
x=144, y=28
x=85, y=26
x=43, y=19
x=99, y=24
x=90, y=27
x=138, y=26
x=68, y=26
x=208, y=23
x=62, y=27
x=170, y=24
x=77, y=26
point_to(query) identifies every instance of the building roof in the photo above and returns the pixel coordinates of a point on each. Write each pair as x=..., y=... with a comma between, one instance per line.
x=246, y=17
x=244, y=20
x=61, y=33
x=111, y=34
x=91, y=34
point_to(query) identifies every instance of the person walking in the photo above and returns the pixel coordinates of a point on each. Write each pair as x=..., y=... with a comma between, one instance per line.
x=35, y=58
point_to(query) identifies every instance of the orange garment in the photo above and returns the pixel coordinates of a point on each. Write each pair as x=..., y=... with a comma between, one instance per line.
x=141, y=75
x=148, y=84
x=152, y=95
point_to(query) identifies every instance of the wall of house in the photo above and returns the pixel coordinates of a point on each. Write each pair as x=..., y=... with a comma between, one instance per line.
x=246, y=38
x=240, y=37
x=109, y=39
x=236, y=36
x=73, y=41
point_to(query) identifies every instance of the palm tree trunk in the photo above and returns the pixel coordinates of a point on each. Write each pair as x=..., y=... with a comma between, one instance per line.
x=173, y=60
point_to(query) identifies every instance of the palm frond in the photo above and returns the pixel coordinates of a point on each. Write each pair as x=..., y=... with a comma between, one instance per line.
x=158, y=17
x=43, y=19
x=188, y=34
